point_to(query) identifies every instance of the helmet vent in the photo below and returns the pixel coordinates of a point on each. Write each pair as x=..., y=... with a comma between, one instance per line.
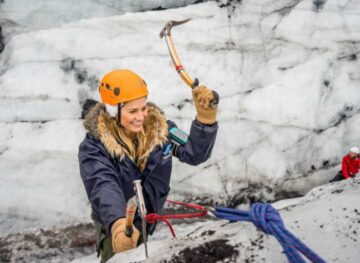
x=116, y=91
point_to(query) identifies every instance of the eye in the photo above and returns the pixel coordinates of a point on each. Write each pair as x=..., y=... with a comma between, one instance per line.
x=107, y=86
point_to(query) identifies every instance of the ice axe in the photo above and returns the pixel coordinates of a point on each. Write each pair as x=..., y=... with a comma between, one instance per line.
x=133, y=203
x=166, y=31
x=142, y=208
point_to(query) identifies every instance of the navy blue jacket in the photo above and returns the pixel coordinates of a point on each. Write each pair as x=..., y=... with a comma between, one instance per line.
x=108, y=179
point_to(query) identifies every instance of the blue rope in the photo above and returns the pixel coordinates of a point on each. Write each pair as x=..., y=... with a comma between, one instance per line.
x=267, y=219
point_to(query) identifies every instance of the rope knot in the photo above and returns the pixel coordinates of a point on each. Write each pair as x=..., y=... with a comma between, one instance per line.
x=263, y=216
x=152, y=218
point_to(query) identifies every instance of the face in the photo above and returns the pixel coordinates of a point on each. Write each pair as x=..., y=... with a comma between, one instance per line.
x=133, y=114
x=353, y=155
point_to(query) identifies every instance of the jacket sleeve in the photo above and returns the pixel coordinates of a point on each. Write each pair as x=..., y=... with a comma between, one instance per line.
x=199, y=145
x=345, y=169
x=100, y=180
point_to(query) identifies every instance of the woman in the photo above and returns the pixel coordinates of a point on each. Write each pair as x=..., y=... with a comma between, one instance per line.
x=128, y=139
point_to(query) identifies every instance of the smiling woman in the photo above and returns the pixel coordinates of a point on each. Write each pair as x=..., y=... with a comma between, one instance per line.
x=128, y=139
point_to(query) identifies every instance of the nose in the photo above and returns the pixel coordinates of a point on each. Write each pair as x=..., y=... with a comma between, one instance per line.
x=140, y=116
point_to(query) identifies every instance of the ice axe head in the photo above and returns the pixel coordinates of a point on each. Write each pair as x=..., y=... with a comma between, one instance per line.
x=166, y=31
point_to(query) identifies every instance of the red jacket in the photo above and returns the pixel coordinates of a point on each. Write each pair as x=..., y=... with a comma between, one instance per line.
x=350, y=167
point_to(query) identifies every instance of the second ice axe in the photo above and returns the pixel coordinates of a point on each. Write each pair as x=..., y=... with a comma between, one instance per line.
x=133, y=203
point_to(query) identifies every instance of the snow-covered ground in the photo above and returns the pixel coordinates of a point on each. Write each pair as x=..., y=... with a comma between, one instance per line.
x=327, y=220
x=287, y=72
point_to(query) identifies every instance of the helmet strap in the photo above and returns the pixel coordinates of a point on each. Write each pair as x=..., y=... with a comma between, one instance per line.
x=119, y=113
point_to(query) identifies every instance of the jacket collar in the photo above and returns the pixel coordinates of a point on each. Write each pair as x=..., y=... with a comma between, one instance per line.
x=97, y=122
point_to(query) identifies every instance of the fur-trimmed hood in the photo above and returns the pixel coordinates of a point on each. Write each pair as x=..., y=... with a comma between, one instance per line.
x=97, y=122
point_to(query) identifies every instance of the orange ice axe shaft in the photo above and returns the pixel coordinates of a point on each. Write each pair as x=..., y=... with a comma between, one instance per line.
x=166, y=32
x=130, y=214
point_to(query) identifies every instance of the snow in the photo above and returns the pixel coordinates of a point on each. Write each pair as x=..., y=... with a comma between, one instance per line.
x=38, y=185
x=287, y=73
x=326, y=220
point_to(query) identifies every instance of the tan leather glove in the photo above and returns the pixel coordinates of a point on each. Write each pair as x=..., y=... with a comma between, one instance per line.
x=120, y=241
x=202, y=97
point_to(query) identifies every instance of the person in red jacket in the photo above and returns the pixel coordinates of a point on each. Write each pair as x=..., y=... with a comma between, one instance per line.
x=350, y=165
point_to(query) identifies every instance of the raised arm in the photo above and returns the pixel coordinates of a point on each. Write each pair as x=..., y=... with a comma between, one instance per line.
x=199, y=145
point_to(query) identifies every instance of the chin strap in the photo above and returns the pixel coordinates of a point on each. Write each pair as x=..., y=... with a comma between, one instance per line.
x=119, y=114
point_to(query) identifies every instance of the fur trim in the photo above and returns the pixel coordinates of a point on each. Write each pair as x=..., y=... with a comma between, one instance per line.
x=97, y=122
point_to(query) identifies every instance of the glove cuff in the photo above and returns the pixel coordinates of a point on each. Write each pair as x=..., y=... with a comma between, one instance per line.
x=118, y=225
x=206, y=116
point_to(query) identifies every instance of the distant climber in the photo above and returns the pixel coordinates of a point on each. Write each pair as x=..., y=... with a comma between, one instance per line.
x=350, y=165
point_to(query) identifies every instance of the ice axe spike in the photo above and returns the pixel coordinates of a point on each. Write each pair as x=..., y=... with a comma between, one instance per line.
x=166, y=31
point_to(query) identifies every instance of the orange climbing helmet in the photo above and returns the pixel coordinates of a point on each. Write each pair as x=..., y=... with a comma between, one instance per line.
x=120, y=86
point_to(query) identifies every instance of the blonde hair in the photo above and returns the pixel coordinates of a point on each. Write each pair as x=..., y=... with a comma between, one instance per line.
x=133, y=143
